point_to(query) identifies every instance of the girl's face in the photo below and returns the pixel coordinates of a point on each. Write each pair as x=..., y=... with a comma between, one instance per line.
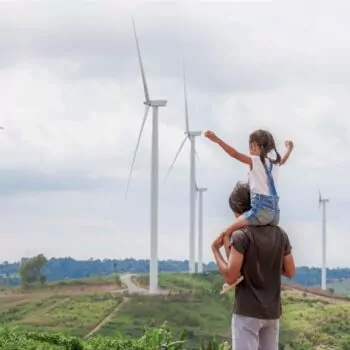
x=254, y=149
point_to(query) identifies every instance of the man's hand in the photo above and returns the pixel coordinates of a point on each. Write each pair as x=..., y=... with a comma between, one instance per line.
x=211, y=136
x=218, y=242
x=289, y=145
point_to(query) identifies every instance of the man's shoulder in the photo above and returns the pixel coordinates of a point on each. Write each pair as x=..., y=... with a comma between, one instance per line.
x=240, y=233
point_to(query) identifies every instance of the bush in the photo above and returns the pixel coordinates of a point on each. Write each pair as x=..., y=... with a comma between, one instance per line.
x=156, y=339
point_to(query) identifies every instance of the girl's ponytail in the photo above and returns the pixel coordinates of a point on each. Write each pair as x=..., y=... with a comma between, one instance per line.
x=263, y=154
x=278, y=156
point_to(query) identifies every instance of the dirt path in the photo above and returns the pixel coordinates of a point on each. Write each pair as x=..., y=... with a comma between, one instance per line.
x=299, y=292
x=132, y=287
x=107, y=318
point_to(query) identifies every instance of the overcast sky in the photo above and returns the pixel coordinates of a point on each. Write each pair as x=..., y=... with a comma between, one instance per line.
x=72, y=105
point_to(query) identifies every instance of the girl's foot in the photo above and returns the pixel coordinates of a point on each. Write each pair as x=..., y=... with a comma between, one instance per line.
x=226, y=287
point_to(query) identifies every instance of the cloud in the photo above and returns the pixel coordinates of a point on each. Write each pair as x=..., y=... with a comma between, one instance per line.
x=72, y=104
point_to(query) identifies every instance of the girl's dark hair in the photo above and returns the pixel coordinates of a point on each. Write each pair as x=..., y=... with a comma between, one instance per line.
x=266, y=143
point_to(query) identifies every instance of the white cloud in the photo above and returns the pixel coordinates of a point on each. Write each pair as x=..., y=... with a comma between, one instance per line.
x=72, y=108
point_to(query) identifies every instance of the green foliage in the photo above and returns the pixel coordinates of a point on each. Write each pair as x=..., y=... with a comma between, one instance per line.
x=63, y=268
x=156, y=339
x=192, y=302
x=31, y=270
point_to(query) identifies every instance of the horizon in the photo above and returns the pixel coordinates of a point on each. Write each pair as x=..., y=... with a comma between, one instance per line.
x=159, y=260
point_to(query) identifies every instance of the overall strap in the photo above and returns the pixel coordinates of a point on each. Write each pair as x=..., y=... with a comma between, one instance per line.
x=271, y=182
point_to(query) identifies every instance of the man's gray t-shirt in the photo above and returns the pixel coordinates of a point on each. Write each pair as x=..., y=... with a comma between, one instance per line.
x=264, y=247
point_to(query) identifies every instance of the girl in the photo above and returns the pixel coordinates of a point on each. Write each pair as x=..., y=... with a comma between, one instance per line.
x=262, y=178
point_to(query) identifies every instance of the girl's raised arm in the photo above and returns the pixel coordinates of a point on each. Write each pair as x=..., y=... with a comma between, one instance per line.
x=228, y=149
x=289, y=148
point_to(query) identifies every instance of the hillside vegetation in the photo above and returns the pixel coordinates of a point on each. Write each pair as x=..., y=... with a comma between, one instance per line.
x=308, y=320
x=96, y=307
x=15, y=339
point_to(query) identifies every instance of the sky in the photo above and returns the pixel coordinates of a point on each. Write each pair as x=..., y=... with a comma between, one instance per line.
x=72, y=105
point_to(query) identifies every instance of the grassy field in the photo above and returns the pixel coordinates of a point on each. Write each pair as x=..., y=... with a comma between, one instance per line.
x=71, y=306
x=192, y=303
x=307, y=319
x=342, y=287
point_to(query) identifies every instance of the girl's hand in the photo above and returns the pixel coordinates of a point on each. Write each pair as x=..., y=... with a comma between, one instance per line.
x=211, y=136
x=289, y=144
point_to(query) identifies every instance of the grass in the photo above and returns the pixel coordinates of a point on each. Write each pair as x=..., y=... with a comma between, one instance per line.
x=75, y=315
x=202, y=317
x=193, y=303
x=307, y=319
x=70, y=306
x=90, y=281
x=341, y=287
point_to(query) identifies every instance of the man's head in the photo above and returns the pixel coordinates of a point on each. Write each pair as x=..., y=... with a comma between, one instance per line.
x=239, y=200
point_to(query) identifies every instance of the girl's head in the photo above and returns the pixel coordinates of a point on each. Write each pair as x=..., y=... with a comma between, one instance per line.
x=261, y=143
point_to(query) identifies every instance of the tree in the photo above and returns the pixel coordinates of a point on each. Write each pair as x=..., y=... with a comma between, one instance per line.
x=31, y=270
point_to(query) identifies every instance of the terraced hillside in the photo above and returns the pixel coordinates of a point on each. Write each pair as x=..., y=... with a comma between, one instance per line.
x=89, y=307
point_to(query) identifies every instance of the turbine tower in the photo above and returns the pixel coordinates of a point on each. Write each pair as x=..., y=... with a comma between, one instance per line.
x=200, y=190
x=323, y=202
x=191, y=136
x=155, y=104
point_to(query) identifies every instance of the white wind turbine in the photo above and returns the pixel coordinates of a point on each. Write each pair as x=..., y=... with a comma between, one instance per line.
x=323, y=202
x=191, y=136
x=155, y=104
x=200, y=190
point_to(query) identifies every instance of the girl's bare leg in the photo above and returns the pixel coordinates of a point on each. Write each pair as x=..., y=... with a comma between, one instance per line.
x=240, y=222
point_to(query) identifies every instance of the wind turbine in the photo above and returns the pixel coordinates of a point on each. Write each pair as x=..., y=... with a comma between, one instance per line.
x=191, y=136
x=200, y=190
x=323, y=202
x=155, y=104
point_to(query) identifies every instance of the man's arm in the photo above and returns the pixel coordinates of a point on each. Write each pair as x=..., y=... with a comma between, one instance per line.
x=232, y=269
x=288, y=266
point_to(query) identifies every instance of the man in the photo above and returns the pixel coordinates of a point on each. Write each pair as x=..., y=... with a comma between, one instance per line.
x=261, y=254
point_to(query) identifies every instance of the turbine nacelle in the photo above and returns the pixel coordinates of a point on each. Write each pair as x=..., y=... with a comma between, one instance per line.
x=193, y=133
x=321, y=200
x=156, y=103
x=201, y=189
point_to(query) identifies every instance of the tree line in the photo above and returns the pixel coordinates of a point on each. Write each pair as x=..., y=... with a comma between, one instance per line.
x=39, y=269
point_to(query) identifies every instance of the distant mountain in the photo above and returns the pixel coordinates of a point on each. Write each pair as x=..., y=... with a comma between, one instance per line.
x=63, y=268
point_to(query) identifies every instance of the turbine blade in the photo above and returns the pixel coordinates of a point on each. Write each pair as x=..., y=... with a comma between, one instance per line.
x=137, y=146
x=141, y=66
x=319, y=199
x=185, y=95
x=176, y=156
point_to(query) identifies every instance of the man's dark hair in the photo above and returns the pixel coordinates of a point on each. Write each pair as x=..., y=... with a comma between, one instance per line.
x=239, y=200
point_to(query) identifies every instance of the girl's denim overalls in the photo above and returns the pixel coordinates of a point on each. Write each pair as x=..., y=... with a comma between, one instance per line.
x=264, y=209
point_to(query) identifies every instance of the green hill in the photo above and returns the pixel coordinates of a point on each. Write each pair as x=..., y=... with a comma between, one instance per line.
x=99, y=307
